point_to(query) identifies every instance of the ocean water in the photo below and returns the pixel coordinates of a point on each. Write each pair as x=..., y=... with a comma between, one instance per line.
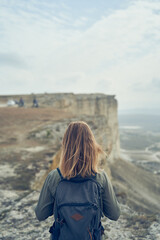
x=140, y=140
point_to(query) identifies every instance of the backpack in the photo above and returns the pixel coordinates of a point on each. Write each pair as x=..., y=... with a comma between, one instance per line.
x=77, y=210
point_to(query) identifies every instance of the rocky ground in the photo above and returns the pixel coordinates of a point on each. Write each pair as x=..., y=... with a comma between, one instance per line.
x=18, y=220
x=29, y=139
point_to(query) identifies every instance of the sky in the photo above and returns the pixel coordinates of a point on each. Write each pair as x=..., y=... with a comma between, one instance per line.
x=87, y=46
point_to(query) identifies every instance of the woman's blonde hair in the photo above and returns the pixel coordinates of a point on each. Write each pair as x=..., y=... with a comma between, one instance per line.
x=79, y=151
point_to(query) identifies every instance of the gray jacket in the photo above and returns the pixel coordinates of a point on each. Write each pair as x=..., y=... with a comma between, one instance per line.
x=45, y=205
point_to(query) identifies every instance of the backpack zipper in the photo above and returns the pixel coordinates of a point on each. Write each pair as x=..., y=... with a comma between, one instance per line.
x=87, y=204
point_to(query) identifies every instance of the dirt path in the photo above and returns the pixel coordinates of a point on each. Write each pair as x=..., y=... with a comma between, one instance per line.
x=21, y=156
x=16, y=123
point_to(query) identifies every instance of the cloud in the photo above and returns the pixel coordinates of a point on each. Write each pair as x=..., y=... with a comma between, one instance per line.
x=114, y=51
x=151, y=86
x=156, y=83
x=12, y=60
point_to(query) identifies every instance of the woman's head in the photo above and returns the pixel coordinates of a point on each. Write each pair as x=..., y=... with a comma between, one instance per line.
x=79, y=151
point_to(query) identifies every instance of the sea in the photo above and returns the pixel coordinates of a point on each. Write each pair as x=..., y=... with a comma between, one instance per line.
x=140, y=139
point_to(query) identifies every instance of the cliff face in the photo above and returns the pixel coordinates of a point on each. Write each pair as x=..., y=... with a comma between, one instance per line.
x=30, y=140
x=102, y=109
x=93, y=105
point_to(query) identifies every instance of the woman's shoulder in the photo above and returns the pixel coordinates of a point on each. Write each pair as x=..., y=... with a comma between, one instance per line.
x=54, y=173
x=53, y=178
x=102, y=177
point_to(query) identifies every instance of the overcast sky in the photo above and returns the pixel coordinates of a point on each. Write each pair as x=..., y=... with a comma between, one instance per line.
x=86, y=46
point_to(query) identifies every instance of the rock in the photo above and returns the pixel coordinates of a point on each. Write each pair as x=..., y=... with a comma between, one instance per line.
x=104, y=106
x=34, y=150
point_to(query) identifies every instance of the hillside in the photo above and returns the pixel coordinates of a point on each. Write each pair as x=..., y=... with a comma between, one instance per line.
x=30, y=141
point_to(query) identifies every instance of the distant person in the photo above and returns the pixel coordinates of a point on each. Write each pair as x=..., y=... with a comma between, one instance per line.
x=21, y=102
x=77, y=193
x=35, y=103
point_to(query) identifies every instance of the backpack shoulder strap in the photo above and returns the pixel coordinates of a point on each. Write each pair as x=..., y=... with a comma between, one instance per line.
x=60, y=174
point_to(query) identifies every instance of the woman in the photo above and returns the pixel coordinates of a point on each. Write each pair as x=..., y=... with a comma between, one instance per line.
x=79, y=159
